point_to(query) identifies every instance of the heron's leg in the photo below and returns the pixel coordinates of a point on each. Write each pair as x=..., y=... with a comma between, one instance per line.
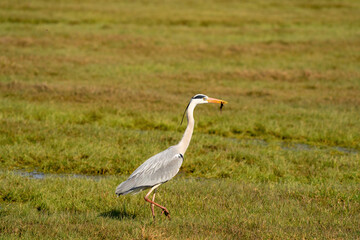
x=165, y=211
x=152, y=205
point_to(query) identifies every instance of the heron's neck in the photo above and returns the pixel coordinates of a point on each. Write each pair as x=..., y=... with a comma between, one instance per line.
x=185, y=141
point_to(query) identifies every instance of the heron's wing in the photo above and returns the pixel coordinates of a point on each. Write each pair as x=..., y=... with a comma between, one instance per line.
x=158, y=169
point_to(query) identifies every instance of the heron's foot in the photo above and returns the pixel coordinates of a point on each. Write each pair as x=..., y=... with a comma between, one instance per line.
x=166, y=213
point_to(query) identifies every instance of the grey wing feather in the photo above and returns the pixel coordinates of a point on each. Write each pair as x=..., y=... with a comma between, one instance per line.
x=158, y=169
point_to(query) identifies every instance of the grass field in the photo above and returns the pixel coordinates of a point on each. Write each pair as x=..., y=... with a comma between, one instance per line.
x=94, y=88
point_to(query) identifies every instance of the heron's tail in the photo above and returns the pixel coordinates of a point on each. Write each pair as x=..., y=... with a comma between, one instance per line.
x=122, y=189
x=129, y=187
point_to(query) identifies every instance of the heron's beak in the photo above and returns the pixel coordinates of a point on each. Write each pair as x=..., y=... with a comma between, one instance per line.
x=214, y=100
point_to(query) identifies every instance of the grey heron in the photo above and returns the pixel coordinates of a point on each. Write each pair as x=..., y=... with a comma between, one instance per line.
x=163, y=166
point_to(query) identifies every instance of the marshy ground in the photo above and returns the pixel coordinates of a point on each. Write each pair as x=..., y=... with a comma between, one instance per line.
x=95, y=88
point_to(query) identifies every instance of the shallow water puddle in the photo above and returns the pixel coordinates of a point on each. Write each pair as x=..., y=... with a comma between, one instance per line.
x=41, y=175
x=284, y=145
x=298, y=147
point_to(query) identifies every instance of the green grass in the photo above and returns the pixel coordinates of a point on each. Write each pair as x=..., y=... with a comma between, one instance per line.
x=201, y=208
x=96, y=88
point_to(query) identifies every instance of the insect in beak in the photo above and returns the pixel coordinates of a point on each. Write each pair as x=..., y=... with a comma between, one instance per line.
x=214, y=100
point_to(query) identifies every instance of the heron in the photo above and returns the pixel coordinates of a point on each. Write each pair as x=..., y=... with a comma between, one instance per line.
x=163, y=166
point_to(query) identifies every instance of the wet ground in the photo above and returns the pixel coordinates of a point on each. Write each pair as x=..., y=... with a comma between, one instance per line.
x=256, y=142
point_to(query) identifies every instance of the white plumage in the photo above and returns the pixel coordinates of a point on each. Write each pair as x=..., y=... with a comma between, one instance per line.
x=158, y=169
x=163, y=166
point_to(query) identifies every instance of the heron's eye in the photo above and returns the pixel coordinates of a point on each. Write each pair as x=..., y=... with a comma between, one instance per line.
x=204, y=98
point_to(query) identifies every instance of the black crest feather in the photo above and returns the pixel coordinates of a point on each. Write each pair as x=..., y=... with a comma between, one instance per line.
x=184, y=113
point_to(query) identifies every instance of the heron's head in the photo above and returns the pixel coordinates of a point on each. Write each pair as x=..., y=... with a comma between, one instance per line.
x=201, y=98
